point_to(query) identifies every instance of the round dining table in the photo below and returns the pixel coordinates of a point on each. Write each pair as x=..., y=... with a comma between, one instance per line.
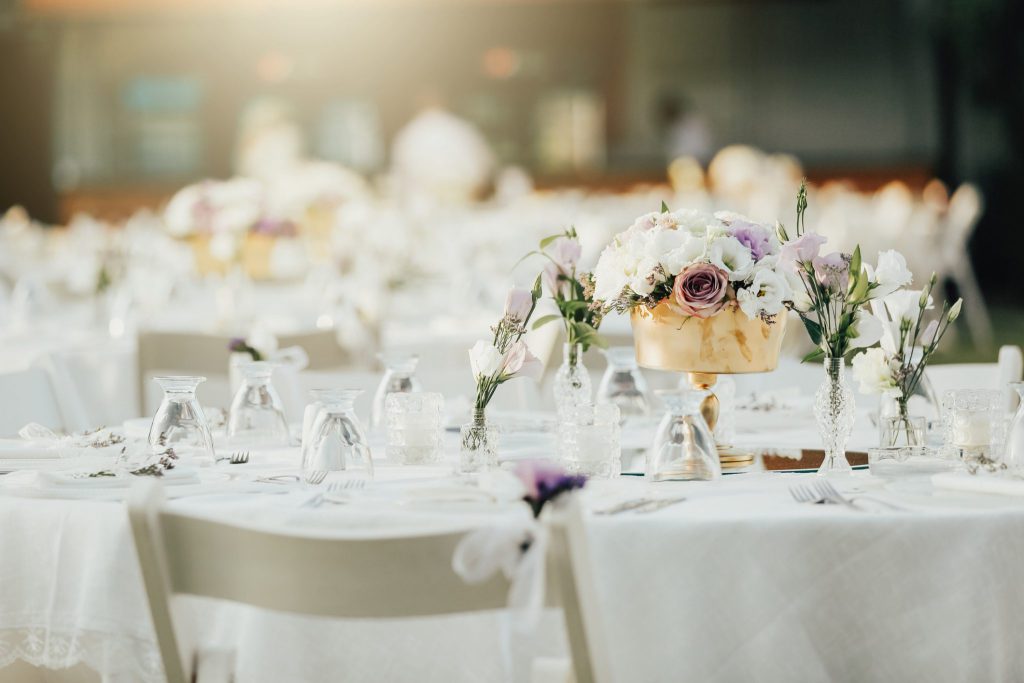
x=728, y=580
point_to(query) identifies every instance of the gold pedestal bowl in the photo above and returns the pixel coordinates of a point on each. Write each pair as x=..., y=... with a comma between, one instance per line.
x=727, y=343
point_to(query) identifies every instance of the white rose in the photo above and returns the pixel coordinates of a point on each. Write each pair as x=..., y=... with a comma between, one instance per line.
x=872, y=371
x=729, y=254
x=642, y=280
x=693, y=221
x=676, y=249
x=891, y=273
x=610, y=276
x=484, y=359
x=765, y=294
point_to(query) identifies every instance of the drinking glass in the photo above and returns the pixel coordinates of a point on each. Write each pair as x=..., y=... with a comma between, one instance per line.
x=179, y=422
x=256, y=417
x=1015, y=433
x=588, y=440
x=399, y=378
x=337, y=448
x=974, y=422
x=623, y=384
x=684, y=448
x=415, y=427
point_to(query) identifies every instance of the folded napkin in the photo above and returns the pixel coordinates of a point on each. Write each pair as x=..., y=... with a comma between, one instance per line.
x=978, y=483
x=18, y=449
x=44, y=442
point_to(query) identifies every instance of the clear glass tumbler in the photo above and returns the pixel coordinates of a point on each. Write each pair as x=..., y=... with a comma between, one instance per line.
x=623, y=384
x=684, y=448
x=256, y=417
x=179, y=422
x=337, y=448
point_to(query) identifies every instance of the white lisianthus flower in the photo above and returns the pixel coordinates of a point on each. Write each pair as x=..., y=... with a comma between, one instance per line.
x=729, y=254
x=798, y=292
x=765, y=294
x=891, y=273
x=693, y=221
x=873, y=372
x=644, y=223
x=519, y=362
x=484, y=359
x=903, y=304
x=866, y=330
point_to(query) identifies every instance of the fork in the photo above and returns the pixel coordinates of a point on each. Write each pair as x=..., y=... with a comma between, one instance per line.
x=236, y=458
x=316, y=477
x=832, y=495
x=804, y=494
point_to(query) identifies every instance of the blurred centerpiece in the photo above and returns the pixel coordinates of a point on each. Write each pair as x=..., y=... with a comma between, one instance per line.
x=706, y=296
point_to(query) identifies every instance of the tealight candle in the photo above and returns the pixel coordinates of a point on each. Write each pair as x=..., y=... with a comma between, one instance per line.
x=972, y=430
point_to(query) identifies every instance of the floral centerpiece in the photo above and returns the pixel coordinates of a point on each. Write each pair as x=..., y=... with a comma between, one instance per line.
x=831, y=295
x=573, y=295
x=505, y=357
x=706, y=294
x=895, y=369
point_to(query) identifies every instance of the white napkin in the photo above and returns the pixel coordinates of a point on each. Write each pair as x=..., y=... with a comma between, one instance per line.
x=18, y=449
x=978, y=483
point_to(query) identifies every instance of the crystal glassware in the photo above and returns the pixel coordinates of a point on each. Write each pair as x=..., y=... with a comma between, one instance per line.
x=974, y=422
x=337, y=447
x=572, y=381
x=684, y=448
x=415, y=427
x=179, y=422
x=588, y=440
x=903, y=430
x=399, y=378
x=1015, y=433
x=623, y=384
x=835, y=412
x=256, y=417
x=895, y=461
x=478, y=445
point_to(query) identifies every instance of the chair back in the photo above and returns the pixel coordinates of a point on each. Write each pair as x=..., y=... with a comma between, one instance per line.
x=28, y=396
x=391, y=577
x=208, y=355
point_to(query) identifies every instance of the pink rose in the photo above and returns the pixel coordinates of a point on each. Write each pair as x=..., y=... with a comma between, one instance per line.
x=700, y=290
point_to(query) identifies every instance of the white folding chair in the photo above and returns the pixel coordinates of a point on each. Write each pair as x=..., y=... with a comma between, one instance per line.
x=38, y=394
x=391, y=577
x=962, y=216
x=207, y=355
x=997, y=375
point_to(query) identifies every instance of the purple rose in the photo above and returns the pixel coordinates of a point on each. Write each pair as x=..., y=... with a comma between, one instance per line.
x=754, y=237
x=700, y=290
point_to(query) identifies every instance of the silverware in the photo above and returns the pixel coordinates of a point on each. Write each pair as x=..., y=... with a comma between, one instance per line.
x=832, y=495
x=805, y=494
x=316, y=477
x=656, y=505
x=236, y=458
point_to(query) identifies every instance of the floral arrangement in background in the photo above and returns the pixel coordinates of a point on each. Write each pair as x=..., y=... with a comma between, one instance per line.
x=831, y=290
x=896, y=367
x=544, y=482
x=573, y=294
x=506, y=356
x=240, y=345
x=696, y=262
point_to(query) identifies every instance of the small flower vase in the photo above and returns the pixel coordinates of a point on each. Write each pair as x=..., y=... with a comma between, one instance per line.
x=835, y=412
x=478, y=450
x=572, y=381
x=897, y=427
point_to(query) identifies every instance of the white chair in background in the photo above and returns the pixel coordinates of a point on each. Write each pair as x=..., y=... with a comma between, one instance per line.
x=42, y=394
x=965, y=208
x=392, y=577
x=952, y=376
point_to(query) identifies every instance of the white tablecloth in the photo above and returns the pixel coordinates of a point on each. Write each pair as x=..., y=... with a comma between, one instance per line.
x=737, y=583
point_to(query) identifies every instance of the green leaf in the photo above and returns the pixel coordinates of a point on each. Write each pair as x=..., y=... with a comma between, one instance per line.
x=664, y=207
x=816, y=354
x=549, y=240
x=545, y=319
x=782, y=234
x=813, y=330
x=855, y=261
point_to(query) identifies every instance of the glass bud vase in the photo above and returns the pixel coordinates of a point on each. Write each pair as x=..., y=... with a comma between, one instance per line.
x=478, y=445
x=835, y=412
x=572, y=381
